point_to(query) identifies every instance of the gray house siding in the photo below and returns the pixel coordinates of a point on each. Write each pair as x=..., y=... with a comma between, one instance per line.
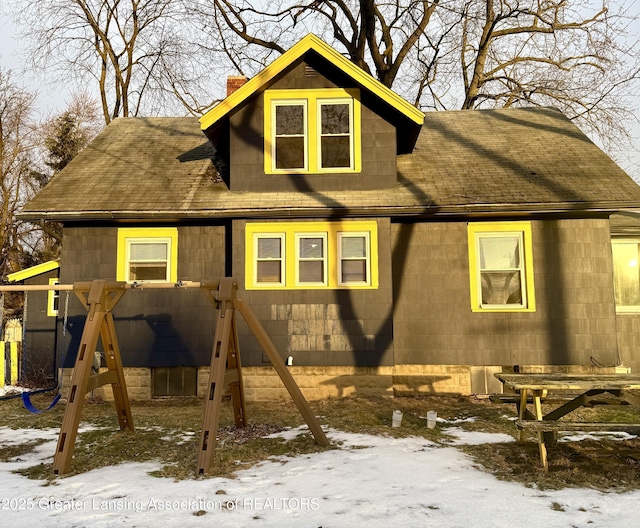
x=574, y=322
x=247, y=148
x=40, y=334
x=321, y=327
x=155, y=328
x=419, y=314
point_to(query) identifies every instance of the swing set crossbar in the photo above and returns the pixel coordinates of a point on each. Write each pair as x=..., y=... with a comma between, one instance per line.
x=112, y=285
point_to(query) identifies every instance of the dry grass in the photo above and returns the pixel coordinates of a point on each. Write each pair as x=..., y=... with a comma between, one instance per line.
x=169, y=431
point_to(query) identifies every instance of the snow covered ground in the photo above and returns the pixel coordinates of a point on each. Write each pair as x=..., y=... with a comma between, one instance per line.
x=369, y=481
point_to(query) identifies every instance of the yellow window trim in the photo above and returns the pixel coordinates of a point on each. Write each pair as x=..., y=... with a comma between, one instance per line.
x=475, y=228
x=51, y=296
x=367, y=258
x=310, y=42
x=312, y=100
x=127, y=233
x=289, y=231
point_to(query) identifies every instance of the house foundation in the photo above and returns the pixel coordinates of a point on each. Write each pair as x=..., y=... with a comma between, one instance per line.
x=318, y=383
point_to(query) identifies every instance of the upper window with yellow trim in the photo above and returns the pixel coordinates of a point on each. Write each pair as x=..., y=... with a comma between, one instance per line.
x=501, y=267
x=312, y=131
x=311, y=255
x=148, y=254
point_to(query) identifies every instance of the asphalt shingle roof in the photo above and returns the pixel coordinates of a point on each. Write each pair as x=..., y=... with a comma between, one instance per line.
x=467, y=161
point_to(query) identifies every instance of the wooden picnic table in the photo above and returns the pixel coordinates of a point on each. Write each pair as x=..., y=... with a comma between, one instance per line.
x=532, y=388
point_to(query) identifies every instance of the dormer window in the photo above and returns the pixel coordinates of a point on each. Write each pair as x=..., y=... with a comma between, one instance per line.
x=312, y=131
x=290, y=136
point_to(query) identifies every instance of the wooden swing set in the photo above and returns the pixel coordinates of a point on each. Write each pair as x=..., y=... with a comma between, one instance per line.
x=99, y=297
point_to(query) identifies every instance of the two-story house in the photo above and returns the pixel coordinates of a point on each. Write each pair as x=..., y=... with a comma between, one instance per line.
x=384, y=250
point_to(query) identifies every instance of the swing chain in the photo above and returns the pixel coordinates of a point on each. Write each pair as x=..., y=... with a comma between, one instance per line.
x=66, y=315
x=24, y=334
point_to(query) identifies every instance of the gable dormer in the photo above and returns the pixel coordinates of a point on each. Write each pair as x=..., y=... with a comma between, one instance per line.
x=311, y=121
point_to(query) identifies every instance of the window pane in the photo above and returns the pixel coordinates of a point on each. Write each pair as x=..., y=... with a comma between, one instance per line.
x=311, y=248
x=148, y=251
x=501, y=288
x=354, y=271
x=354, y=247
x=289, y=119
x=290, y=153
x=311, y=271
x=269, y=248
x=499, y=252
x=269, y=271
x=626, y=272
x=150, y=271
x=335, y=118
x=336, y=151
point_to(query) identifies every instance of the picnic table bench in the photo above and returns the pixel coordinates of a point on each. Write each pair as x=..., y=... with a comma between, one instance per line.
x=531, y=388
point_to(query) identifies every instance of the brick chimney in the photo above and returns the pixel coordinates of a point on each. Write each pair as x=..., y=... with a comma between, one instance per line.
x=234, y=82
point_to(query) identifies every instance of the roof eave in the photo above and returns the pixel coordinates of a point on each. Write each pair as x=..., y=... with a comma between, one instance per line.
x=33, y=271
x=306, y=44
x=320, y=211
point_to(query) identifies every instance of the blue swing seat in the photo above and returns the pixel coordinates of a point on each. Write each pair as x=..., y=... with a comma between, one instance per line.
x=26, y=401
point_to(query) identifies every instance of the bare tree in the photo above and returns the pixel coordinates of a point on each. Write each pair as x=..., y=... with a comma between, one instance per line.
x=377, y=36
x=530, y=52
x=137, y=51
x=460, y=54
x=17, y=184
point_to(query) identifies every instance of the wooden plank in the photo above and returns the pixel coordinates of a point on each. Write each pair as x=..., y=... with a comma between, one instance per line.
x=236, y=384
x=572, y=405
x=629, y=398
x=114, y=364
x=14, y=360
x=570, y=381
x=77, y=391
x=231, y=376
x=559, y=425
x=215, y=389
x=110, y=285
x=282, y=370
x=542, y=446
x=507, y=398
x=99, y=300
x=101, y=379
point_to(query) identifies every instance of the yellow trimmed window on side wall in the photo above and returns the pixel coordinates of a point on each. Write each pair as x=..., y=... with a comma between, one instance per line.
x=53, y=298
x=311, y=255
x=312, y=131
x=501, y=267
x=626, y=274
x=147, y=254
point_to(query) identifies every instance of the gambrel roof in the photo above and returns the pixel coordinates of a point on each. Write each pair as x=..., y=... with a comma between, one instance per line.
x=515, y=160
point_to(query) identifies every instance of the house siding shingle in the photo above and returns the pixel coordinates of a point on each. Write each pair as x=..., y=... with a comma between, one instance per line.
x=247, y=148
x=154, y=327
x=573, y=323
x=321, y=327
